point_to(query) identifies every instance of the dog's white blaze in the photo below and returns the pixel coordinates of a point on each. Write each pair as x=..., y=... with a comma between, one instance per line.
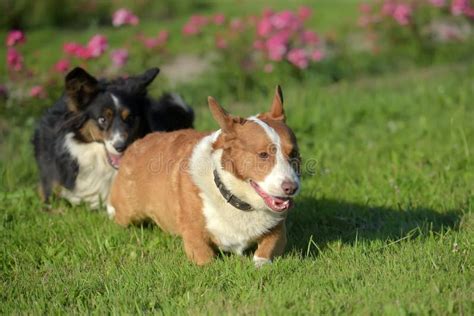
x=116, y=137
x=109, y=143
x=282, y=170
x=95, y=173
x=116, y=100
x=234, y=229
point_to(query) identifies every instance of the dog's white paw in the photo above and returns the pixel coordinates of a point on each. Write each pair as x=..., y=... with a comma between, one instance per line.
x=259, y=261
x=111, y=211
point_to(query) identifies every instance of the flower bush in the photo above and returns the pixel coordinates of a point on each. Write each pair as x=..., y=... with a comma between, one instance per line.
x=248, y=48
x=96, y=46
x=398, y=24
x=269, y=39
x=252, y=51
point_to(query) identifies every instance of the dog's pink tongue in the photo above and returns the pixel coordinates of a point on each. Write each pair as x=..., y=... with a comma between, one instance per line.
x=274, y=203
x=115, y=160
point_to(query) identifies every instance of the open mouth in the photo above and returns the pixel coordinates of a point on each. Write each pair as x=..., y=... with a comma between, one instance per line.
x=275, y=203
x=114, y=160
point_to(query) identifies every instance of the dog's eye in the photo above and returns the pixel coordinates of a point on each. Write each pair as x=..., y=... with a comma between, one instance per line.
x=129, y=119
x=295, y=160
x=101, y=120
x=263, y=155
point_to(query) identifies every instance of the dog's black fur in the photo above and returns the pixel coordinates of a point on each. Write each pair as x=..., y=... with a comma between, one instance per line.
x=109, y=112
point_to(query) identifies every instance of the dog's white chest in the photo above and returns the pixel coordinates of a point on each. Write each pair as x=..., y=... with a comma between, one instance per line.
x=234, y=229
x=95, y=173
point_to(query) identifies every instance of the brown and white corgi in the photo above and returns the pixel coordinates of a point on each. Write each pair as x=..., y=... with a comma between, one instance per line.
x=225, y=190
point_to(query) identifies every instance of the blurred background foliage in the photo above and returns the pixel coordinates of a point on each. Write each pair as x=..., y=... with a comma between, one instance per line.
x=27, y=14
x=221, y=46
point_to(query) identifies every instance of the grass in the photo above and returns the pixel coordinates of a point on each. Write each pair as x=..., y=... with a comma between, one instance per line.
x=384, y=224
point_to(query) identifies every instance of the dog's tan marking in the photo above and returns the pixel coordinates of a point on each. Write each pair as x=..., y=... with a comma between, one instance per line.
x=90, y=132
x=108, y=114
x=125, y=114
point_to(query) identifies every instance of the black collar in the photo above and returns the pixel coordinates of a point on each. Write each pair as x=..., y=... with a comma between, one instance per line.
x=229, y=197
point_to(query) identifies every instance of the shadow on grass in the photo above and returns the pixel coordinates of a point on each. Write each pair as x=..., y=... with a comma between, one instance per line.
x=321, y=221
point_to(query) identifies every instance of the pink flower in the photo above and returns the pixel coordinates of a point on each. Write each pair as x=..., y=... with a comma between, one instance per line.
x=236, y=25
x=285, y=20
x=268, y=68
x=119, y=57
x=162, y=37
x=221, y=42
x=402, y=14
x=309, y=37
x=297, y=57
x=252, y=20
x=194, y=25
x=124, y=17
x=469, y=12
x=366, y=16
x=438, y=3
x=259, y=45
x=190, y=29
x=267, y=13
x=77, y=50
x=264, y=27
x=83, y=53
x=388, y=8
x=38, y=92
x=150, y=42
x=62, y=65
x=317, y=55
x=14, y=59
x=153, y=42
x=304, y=12
x=15, y=37
x=218, y=19
x=71, y=48
x=365, y=8
x=364, y=20
x=277, y=46
x=97, y=45
x=199, y=20
x=459, y=7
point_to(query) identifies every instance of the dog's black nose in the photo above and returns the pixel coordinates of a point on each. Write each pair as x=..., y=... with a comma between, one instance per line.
x=120, y=147
x=289, y=187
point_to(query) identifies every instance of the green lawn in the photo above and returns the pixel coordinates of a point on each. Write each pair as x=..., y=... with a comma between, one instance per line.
x=384, y=223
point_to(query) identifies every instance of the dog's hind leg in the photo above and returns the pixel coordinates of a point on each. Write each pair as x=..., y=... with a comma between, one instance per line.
x=197, y=248
x=45, y=188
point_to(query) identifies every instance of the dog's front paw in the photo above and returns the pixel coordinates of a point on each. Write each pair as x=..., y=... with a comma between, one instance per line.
x=111, y=211
x=259, y=261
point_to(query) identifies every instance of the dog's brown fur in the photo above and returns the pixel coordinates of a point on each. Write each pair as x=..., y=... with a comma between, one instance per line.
x=154, y=180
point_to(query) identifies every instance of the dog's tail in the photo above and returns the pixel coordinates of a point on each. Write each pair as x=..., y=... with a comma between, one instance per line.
x=170, y=113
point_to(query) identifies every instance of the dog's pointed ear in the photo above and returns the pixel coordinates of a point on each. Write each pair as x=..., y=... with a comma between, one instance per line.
x=140, y=83
x=276, y=111
x=81, y=88
x=224, y=119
